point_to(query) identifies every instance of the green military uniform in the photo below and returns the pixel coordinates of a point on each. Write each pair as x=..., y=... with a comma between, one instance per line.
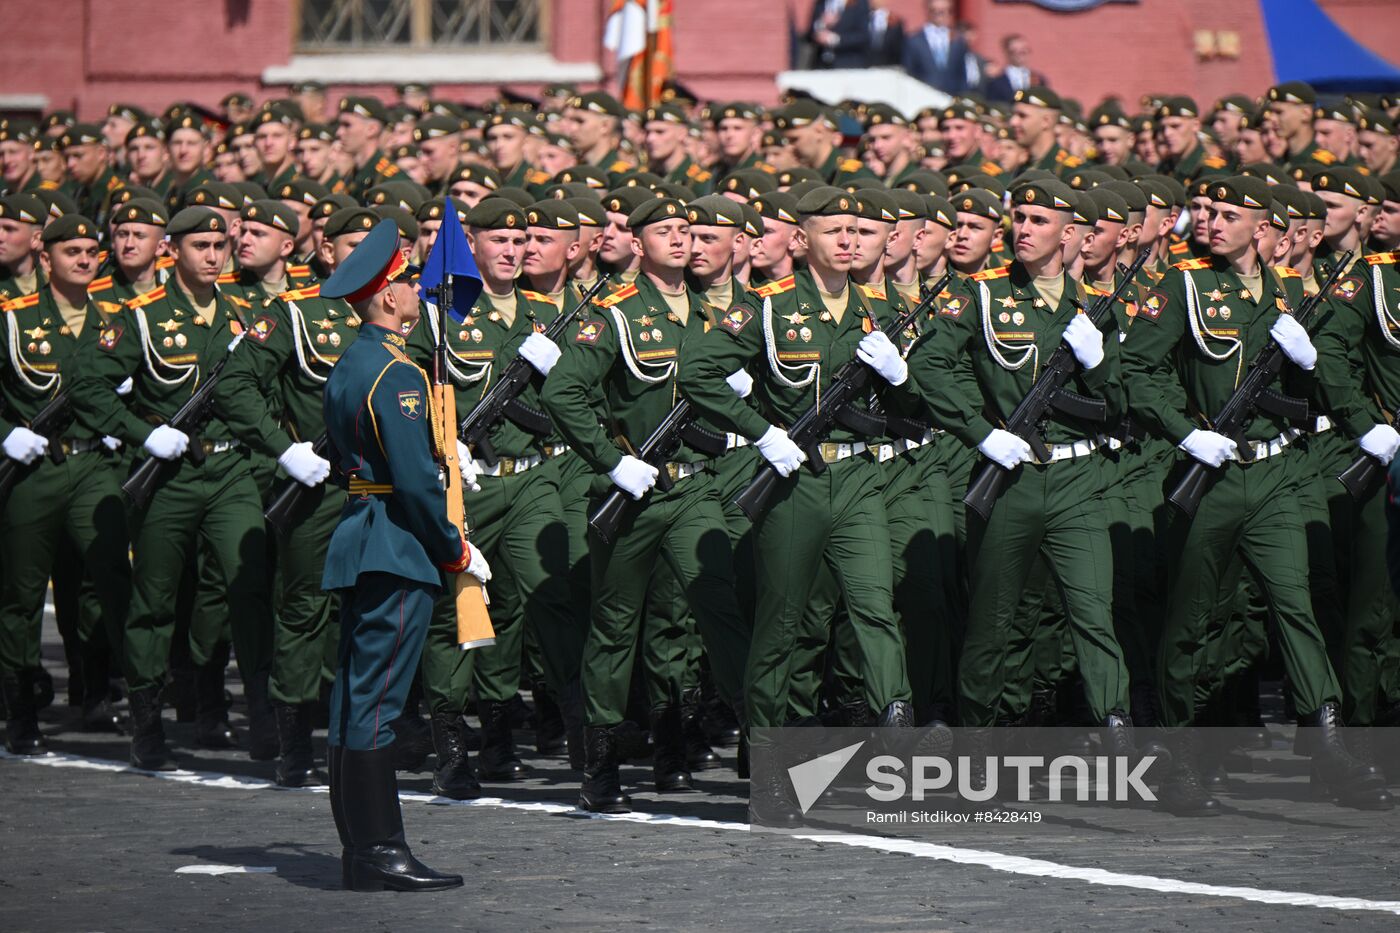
x=1000, y=321
x=377, y=169
x=690, y=174
x=165, y=345
x=77, y=496
x=840, y=171
x=1312, y=155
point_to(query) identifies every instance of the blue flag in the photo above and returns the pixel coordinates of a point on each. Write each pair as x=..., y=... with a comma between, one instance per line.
x=450, y=253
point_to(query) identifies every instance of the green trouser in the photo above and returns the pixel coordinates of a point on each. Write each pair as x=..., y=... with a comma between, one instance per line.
x=81, y=499
x=685, y=528
x=573, y=478
x=303, y=630
x=518, y=523
x=1054, y=510
x=836, y=520
x=1250, y=509
x=216, y=506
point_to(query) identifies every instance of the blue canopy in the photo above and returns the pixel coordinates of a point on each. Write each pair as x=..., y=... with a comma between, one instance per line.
x=1308, y=46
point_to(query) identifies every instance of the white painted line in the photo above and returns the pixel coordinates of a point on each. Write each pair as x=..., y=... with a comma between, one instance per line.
x=996, y=861
x=226, y=870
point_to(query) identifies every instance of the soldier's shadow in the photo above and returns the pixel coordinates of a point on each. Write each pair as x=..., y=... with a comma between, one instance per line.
x=296, y=863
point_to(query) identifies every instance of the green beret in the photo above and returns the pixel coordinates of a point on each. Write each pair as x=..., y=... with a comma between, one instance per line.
x=251, y=191
x=598, y=102
x=1302, y=172
x=1135, y=197
x=880, y=114
x=656, y=210
x=591, y=212
x=519, y=118
x=736, y=110
x=908, y=204
x=961, y=108
x=140, y=211
x=803, y=112
x=875, y=204
x=476, y=174
x=777, y=205
x=128, y=112
x=352, y=219
x=792, y=176
x=573, y=189
x=1111, y=206
x=131, y=193
x=81, y=134
x=144, y=130
x=1109, y=115
x=940, y=210
x=236, y=130
x=302, y=190
x=639, y=178
x=552, y=214
x=63, y=118
x=749, y=182
x=1317, y=208
x=627, y=200
x=715, y=210
x=58, y=202
x=218, y=194
x=1158, y=194
x=1375, y=122
x=978, y=201
x=753, y=220
x=331, y=203
x=1390, y=184
x=435, y=127
x=800, y=189
x=273, y=214
x=195, y=220
x=1086, y=178
x=237, y=97
x=1340, y=179
x=519, y=196
x=589, y=175
x=1294, y=92
x=671, y=189
x=19, y=131
x=24, y=208
x=1374, y=190
x=1179, y=106
x=69, y=227
x=985, y=182
x=401, y=194
x=307, y=87
x=433, y=210
x=1335, y=110
x=1242, y=191
x=559, y=89
x=1086, y=210
x=371, y=108
x=1235, y=103
x=926, y=181
x=319, y=131
x=1292, y=200
x=1055, y=195
x=1039, y=96
x=826, y=201
x=495, y=213
x=274, y=113
x=666, y=113
x=1267, y=171
x=408, y=227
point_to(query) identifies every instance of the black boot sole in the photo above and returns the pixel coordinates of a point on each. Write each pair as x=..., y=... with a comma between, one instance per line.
x=609, y=806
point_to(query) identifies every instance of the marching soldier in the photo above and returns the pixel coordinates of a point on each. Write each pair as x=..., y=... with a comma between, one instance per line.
x=18, y=172
x=1034, y=115
x=810, y=129
x=138, y=241
x=666, y=130
x=738, y=137
x=22, y=218
x=359, y=129
x=386, y=559
x=593, y=124
x=91, y=180
x=167, y=341
x=1289, y=109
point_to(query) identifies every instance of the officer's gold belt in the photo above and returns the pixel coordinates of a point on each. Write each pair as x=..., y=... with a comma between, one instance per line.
x=678, y=471
x=361, y=487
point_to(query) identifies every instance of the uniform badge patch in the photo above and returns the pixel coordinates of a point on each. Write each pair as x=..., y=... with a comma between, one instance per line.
x=411, y=404
x=1347, y=288
x=1152, y=304
x=262, y=329
x=952, y=307
x=736, y=320
x=589, y=332
x=110, y=337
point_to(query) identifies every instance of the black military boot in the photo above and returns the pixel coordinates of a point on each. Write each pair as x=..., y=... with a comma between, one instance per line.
x=571, y=708
x=22, y=735
x=263, y=744
x=898, y=715
x=180, y=692
x=602, y=787
x=1182, y=792
x=342, y=828
x=497, y=760
x=380, y=859
x=148, y=749
x=296, y=766
x=548, y=722
x=454, y=776
x=772, y=801
x=211, y=726
x=698, y=754
x=668, y=751
x=1352, y=782
x=721, y=724
x=1118, y=736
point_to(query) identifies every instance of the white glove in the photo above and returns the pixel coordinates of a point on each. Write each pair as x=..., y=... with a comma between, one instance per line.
x=1085, y=340
x=877, y=352
x=113, y=444
x=633, y=476
x=741, y=382
x=25, y=446
x=778, y=449
x=1294, y=340
x=478, y=567
x=1210, y=448
x=1005, y=448
x=126, y=386
x=303, y=464
x=1381, y=442
x=166, y=443
x=540, y=352
x=467, y=467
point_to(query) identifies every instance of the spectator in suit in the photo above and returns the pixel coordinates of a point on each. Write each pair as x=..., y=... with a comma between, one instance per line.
x=886, y=36
x=1017, y=75
x=937, y=55
x=840, y=33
